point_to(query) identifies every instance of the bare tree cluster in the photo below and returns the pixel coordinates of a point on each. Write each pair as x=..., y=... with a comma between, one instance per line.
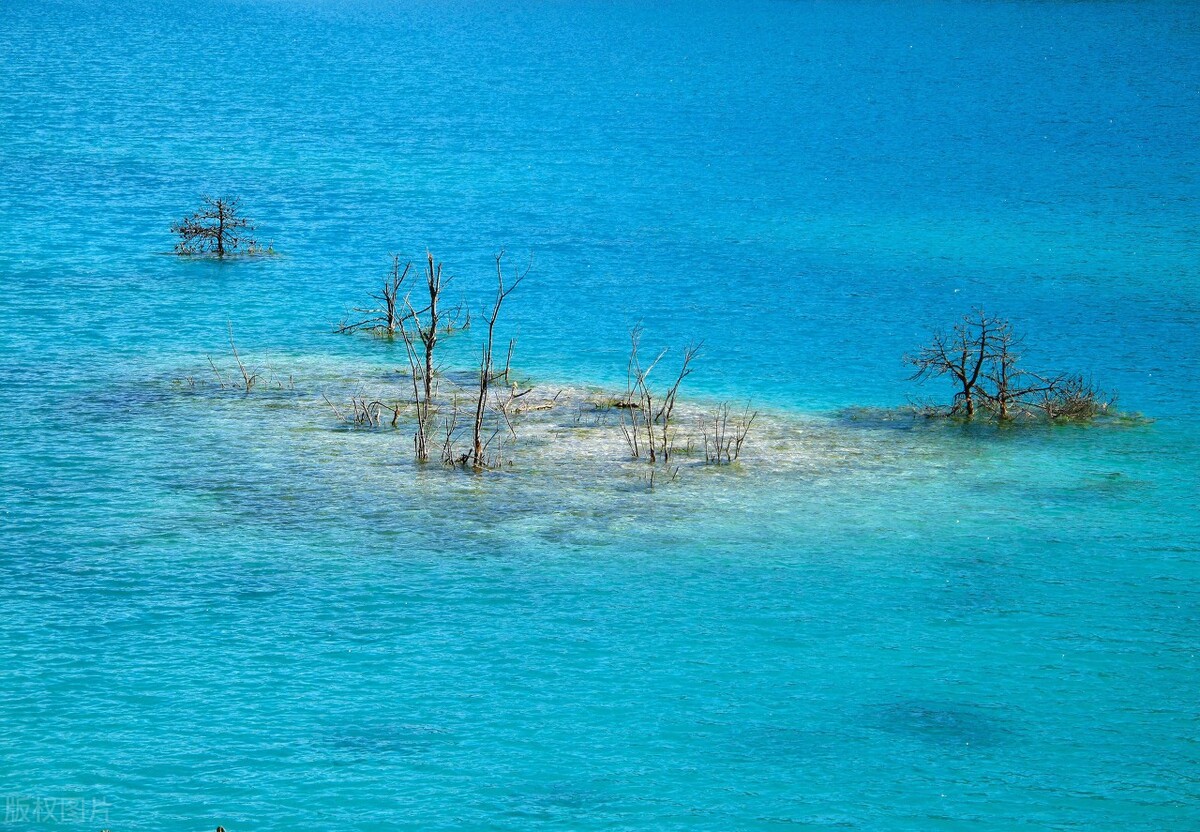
x=391, y=310
x=649, y=430
x=981, y=357
x=218, y=228
x=472, y=422
x=439, y=419
x=724, y=434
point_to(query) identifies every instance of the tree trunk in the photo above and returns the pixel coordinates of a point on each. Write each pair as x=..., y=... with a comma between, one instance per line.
x=220, y=230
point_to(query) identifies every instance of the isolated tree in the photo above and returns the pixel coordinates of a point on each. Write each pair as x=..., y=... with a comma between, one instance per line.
x=218, y=228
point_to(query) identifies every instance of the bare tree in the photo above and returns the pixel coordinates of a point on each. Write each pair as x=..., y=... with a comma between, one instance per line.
x=487, y=375
x=427, y=333
x=650, y=428
x=365, y=412
x=459, y=318
x=1012, y=388
x=963, y=355
x=636, y=394
x=388, y=316
x=248, y=378
x=217, y=228
x=665, y=411
x=672, y=475
x=449, y=456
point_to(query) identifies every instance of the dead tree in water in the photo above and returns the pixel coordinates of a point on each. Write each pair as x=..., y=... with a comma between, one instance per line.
x=477, y=456
x=387, y=318
x=423, y=376
x=1011, y=387
x=723, y=441
x=365, y=412
x=981, y=356
x=963, y=355
x=646, y=422
x=449, y=457
x=217, y=228
x=672, y=475
x=635, y=386
x=249, y=379
x=1073, y=398
x=665, y=411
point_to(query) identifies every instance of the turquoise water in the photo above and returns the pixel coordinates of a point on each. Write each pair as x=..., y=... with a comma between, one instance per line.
x=227, y=608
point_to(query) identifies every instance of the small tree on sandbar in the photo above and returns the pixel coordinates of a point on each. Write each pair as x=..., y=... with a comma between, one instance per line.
x=218, y=228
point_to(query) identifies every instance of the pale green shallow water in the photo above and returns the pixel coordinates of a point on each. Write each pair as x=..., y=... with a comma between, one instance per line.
x=221, y=608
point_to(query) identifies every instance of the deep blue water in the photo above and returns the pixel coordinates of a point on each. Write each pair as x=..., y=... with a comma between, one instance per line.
x=226, y=609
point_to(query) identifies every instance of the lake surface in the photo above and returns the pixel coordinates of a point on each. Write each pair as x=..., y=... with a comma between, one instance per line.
x=230, y=608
